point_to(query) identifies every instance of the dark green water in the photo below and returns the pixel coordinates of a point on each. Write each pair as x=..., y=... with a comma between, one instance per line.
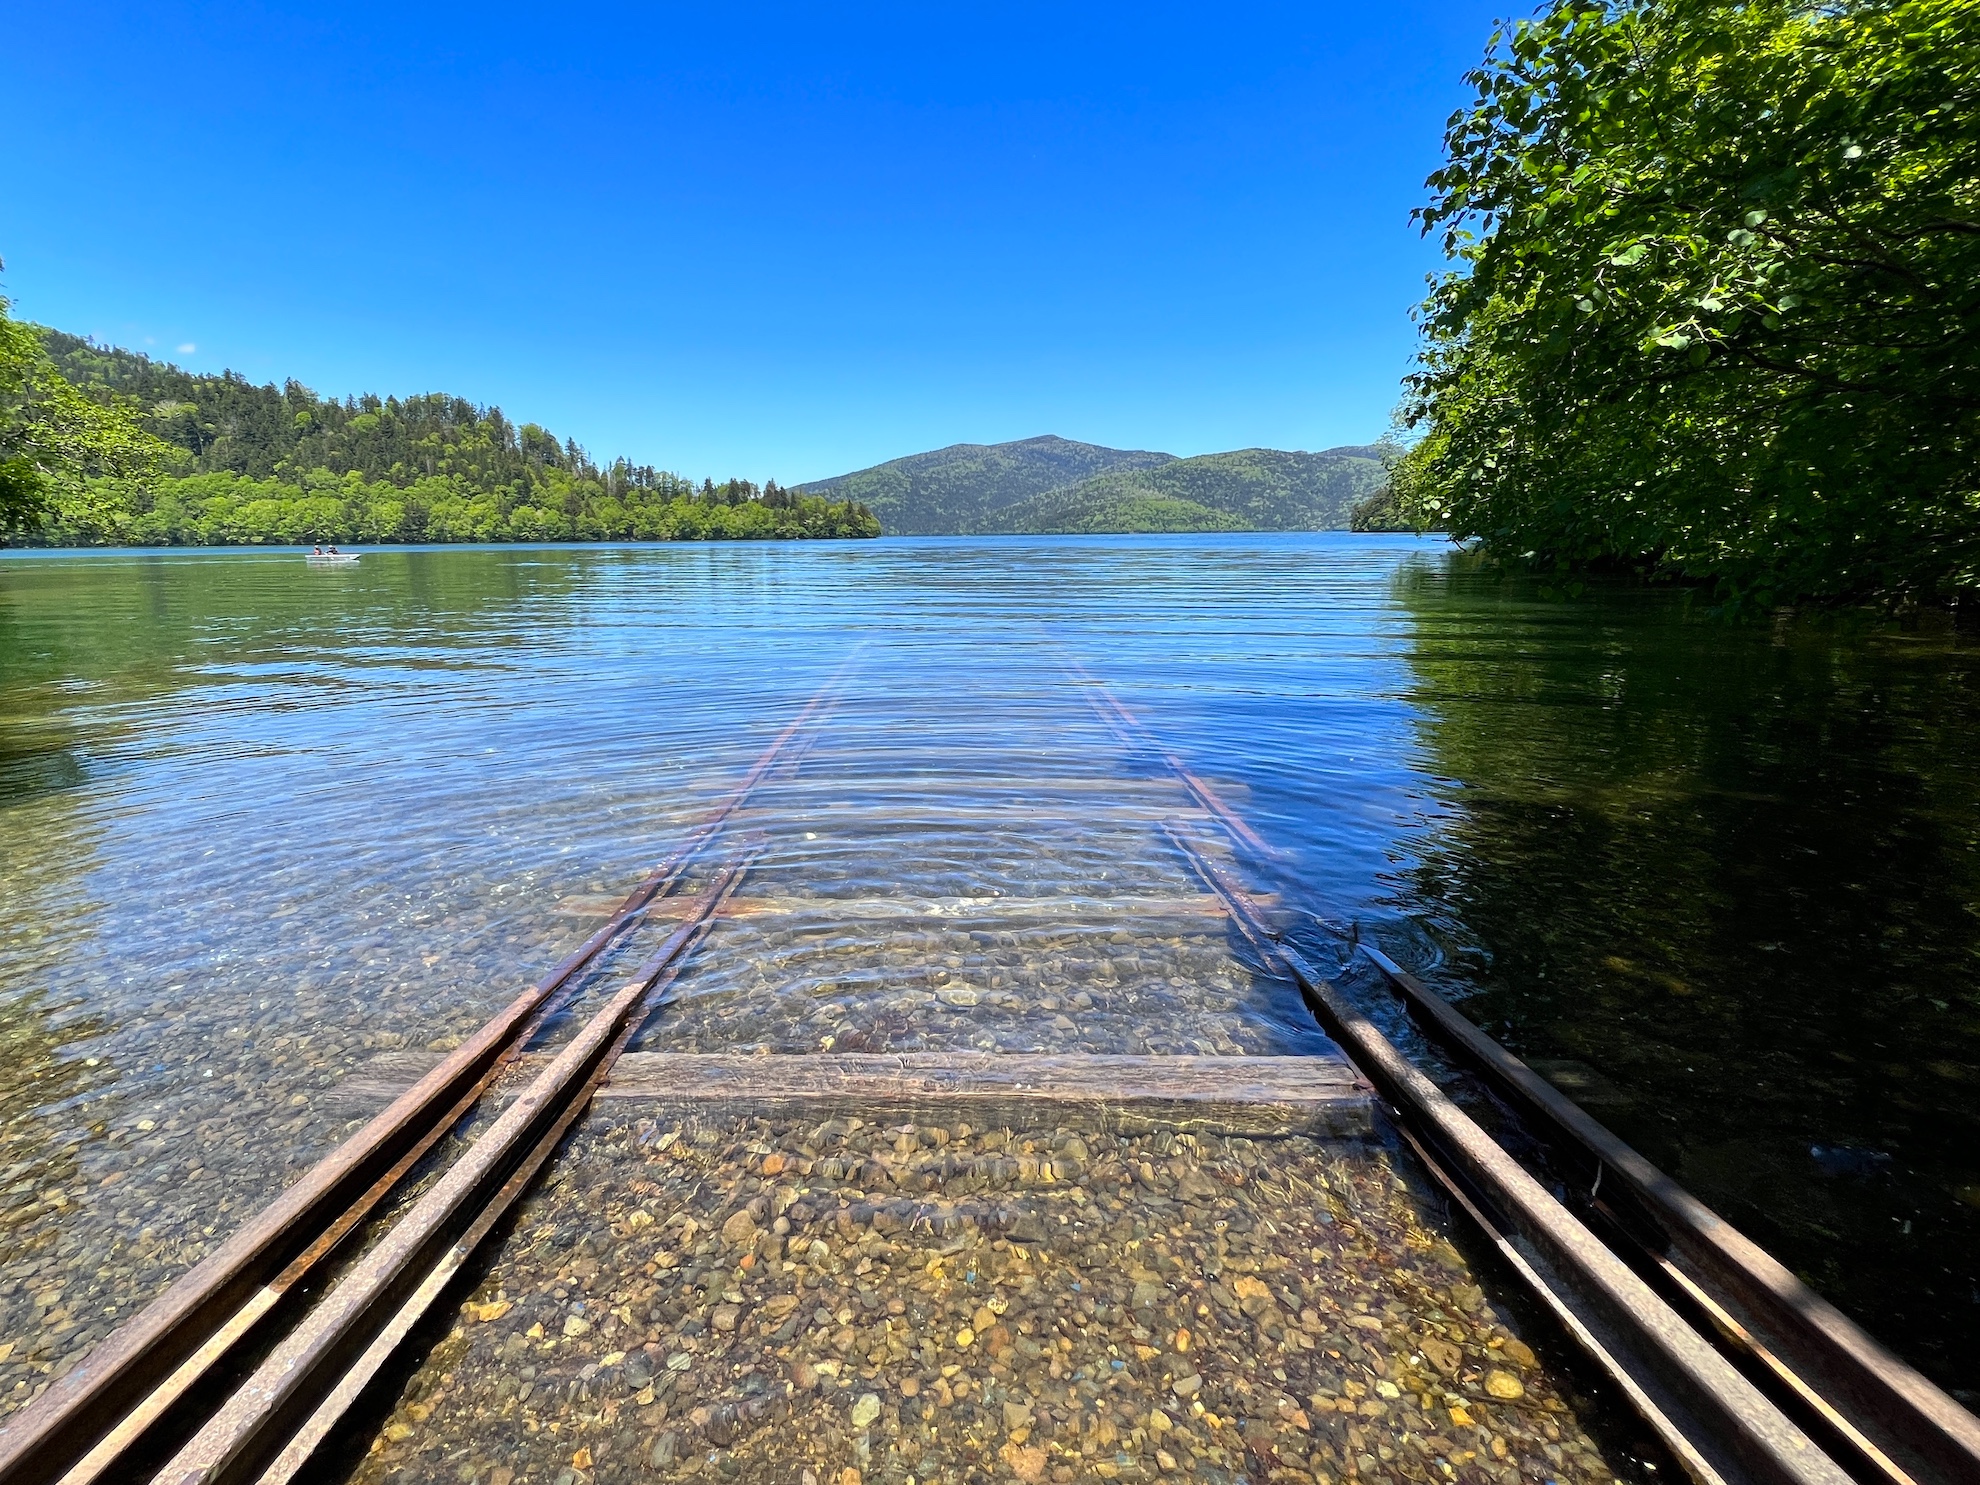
x=1736, y=872
x=258, y=825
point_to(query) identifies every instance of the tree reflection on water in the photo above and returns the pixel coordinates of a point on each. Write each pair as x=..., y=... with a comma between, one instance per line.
x=1723, y=883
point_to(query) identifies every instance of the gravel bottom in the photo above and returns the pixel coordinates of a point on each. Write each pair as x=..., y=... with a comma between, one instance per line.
x=1079, y=988
x=843, y=1303
x=106, y=1197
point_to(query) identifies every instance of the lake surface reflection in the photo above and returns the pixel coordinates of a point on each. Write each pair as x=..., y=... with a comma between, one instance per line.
x=260, y=826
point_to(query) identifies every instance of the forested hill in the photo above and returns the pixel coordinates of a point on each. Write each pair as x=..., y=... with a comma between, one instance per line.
x=255, y=463
x=228, y=424
x=1247, y=490
x=1048, y=484
x=949, y=491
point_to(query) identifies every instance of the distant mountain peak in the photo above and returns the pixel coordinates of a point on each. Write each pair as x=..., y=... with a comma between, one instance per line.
x=957, y=489
x=1052, y=442
x=1049, y=483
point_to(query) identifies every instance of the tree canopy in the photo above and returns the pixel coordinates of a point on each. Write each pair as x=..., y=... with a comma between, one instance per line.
x=125, y=449
x=59, y=449
x=1715, y=308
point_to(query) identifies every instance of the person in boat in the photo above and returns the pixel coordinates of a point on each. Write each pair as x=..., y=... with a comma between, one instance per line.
x=333, y=549
x=318, y=551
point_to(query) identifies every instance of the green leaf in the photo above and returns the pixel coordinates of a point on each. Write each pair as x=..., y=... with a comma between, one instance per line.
x=1683, y=161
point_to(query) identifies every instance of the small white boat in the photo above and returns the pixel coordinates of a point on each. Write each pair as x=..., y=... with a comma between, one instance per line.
x=330, y=559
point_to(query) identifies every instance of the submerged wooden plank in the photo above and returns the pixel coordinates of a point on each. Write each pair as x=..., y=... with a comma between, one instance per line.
x=983, y=785
x=889, y=909
x=1318, y=1095
x=1231, y=1095
x=998, y=814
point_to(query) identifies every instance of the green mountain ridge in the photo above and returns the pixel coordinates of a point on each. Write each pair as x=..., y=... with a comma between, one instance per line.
x=952, y=491
x=1245, y=490
x=1050, y=484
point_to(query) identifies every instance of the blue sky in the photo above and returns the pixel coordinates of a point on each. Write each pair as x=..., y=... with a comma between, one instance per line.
x=751, y=240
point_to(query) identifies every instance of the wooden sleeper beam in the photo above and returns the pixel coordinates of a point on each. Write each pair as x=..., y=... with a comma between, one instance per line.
x=1262, y=1097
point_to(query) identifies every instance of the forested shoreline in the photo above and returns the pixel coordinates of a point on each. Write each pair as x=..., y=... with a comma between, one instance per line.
x=228, y=509
x=217, y=460
x=1715, y=305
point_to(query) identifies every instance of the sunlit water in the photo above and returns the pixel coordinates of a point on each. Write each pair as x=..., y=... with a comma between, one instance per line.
x=262, y=827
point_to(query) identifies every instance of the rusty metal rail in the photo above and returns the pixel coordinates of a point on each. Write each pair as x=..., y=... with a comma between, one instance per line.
x=1128, y=728
x=143, y=1390
x=1900, y=1427
x=1719, y=1426
x=1899, y=1430
x=324, y=1364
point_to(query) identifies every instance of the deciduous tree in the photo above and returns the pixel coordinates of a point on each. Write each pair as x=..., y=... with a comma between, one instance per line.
x=58, y=448
x=1715, y=308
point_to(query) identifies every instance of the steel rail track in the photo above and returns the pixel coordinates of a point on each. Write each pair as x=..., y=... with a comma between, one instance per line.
x=1719, y=1426
x=1711, y=1416
x=1914, y=1430
x=322, y=1367
x=1128, y=728
x=141, y=1390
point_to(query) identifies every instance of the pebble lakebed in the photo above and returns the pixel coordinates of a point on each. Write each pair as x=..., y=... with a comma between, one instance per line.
x=850, y=1302
x=844, y=1302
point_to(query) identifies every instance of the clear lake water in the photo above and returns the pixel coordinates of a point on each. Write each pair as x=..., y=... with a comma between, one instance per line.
x=263, y=826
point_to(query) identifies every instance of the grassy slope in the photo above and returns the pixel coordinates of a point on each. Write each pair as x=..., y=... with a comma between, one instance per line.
x=959, y=488
x=1248, y=490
